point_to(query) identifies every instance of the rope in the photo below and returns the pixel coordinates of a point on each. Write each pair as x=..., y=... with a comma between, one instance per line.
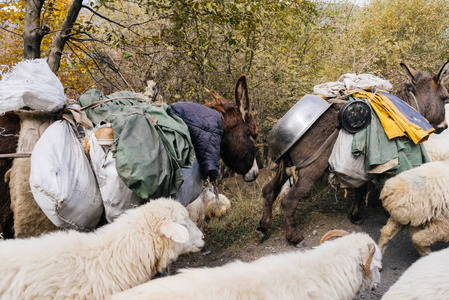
x=16, y=155
x=416, y=102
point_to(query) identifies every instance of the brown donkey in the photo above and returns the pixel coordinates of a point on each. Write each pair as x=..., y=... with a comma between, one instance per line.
x=237, y=151
x=430, y=95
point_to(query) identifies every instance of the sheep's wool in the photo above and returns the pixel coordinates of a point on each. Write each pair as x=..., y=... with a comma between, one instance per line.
x=116, y=257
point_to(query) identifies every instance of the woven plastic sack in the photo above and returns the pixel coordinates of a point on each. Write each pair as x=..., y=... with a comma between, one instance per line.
x=348, y=170
x=116, y=195
x=62, y=181
x=31, y=83
x=191, y=186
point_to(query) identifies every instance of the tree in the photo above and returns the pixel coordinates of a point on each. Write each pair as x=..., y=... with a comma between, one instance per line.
x=36, y=28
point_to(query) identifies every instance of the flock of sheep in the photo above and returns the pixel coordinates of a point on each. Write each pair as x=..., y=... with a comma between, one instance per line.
x=118, y=260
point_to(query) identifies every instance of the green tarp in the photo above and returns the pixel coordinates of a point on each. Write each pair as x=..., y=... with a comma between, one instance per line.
x=152, y=144
x=389, y=156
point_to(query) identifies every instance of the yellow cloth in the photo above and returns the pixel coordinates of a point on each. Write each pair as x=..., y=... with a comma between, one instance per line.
x=395, y=124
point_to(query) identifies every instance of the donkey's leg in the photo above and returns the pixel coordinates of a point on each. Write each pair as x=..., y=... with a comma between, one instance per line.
x=289, y=205
x=270, y=193
x=307, y=178
x=355, y=212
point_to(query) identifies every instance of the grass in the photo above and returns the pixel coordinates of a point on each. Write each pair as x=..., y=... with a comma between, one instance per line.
x=240, y=223
x=238, y=226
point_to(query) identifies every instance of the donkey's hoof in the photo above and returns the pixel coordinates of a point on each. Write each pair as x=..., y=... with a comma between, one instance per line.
x=302, y=244
x=295, y=239
x=356, y=219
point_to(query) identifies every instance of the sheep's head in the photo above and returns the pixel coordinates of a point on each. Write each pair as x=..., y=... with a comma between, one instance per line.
x=372, y=263
x=182, y=230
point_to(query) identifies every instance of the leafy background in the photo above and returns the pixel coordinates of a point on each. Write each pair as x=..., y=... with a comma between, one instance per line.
x=189, y=46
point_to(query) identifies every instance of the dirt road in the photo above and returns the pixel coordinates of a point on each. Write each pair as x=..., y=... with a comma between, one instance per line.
x=398, y=257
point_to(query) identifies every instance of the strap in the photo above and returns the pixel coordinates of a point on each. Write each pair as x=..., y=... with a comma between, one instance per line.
x=95, y=104
x=313, y=157
x=73, y=115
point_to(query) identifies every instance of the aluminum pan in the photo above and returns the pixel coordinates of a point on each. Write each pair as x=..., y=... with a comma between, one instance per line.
x=295, y=123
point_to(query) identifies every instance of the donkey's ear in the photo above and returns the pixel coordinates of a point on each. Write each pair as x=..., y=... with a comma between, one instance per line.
x=175, y=231
x=409, y=71
x=442, y=74
x=241, y=97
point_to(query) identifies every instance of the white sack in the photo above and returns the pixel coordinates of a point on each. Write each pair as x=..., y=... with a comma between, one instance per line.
x=62, y=181
x=116, y=195
x=352, y=81
x=31, y=83
x=348, y=170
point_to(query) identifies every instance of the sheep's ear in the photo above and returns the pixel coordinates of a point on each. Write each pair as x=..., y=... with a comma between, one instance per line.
x=175, y=231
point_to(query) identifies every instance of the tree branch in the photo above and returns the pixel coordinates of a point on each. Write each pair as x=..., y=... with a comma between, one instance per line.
x=10, y=31
x=61, y=37
x=112, y=21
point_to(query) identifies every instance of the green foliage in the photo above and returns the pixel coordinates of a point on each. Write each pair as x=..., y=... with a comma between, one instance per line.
x=284, y=47
x=386, y=32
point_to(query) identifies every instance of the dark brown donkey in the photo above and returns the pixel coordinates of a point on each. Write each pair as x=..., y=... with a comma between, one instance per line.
x=430, y=95
x=237, y=151
x=9, y=135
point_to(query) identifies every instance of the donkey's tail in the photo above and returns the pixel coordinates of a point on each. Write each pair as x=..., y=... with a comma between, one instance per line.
x=281, y=175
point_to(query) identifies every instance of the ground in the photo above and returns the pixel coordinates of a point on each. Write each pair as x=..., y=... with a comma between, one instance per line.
x=398, y=257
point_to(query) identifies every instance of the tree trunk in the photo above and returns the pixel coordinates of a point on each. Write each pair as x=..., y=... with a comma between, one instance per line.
x=62, y=36
x=32, y=32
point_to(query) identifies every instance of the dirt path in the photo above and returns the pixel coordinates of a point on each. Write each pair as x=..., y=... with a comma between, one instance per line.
x=399, y=256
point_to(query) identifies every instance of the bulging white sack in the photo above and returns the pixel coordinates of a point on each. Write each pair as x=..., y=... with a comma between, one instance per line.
x=62, y=181
x=116, y=195
x=31, y=83
x=348, y=170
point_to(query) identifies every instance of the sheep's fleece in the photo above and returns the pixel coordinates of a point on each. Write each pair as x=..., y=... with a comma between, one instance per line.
x=333, y=270
x=427, y=278
x=116, y=257
x=418, y=198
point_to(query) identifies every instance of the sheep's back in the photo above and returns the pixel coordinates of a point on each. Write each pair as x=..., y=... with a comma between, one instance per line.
x=425, y=279
x=418, y=195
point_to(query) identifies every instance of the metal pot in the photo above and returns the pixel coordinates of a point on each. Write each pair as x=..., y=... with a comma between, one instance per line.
x=295, y=123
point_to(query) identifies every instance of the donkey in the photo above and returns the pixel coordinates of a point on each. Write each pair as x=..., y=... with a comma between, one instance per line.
x=426, y=93
x=9, y=135
x=237, y=151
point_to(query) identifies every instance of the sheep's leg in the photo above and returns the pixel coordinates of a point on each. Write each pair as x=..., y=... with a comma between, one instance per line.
x=389, y=232
x=422, y=238
x=269, y=193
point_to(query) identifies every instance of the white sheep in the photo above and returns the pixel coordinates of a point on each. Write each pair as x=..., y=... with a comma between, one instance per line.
x=437, y=146
x=427, y=278
x=208, y=204
x=115, y=257
x=418, y=198
x=338, y=269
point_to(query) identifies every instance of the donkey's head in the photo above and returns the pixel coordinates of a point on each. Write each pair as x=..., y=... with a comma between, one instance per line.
x=239, y=131
x=427, y=94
